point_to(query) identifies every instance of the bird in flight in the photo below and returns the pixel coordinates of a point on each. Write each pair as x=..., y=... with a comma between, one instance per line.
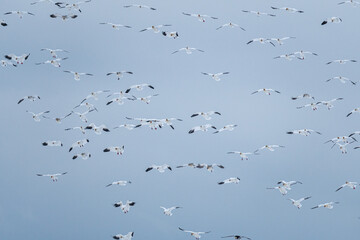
x=160, y=168
x=155, y=28
x=117, y=150
x=196, y=235
x=128, y=236
x=348, y=184
x=329, y=205
x=168, y=211
x=124, y=207
x=203, y=128
x=205, y=115
x=297, y=203
x=53, y=177
x=200, y=17
x=332, y=20
x=119, y=183
x=237, y=237
x=188, y=50
x=267, y=91
x=215, y=76
x=231, y=25
x=36, y=116
x=235, y=180
x=19, y=13
x=78, y=74
x=31, y=98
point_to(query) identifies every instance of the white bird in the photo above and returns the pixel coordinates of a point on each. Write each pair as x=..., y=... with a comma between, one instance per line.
x=172, y=34
x=117, y=150
x=119, y=100
x=332, y=20
x=119, y=183
x=40, y=1
x=19, y=13
x=305, y=95
x=235, y=180
x=287, y=185
x=31, y=98
x=341, y=61
x=168, y=211
x=281, y=189
x=329, y=205
x=329, y=104
x=237, y=237
x=54, y=62
x=341, y=79
x=63, y=17
x=53, y=177
x=280, y=41
x=288, y=9
x=18, y=59
x=209, y=167
x=82, y=116
x=269, y=147
x=155, y=28
x=243, y=155
x=303, y=132
x=127, y=126
x=261, y=40
x=139, y=87
x=289, y=56
x=79, y=143
x=36, y=116
x=203, y=128
x=351, y=2
x=116, y=26
x=196, y=235
x=75, y=6
x=58, y=119
x=98, y=129
x=231, y=25
x=124, y=207
x=89, y=106
x=229, y=127
x=52, y=144
x=302, y=53
x=77, y=74
x=119, y=74
x=84, y=156
x=205, y=115
x=344, y=139
x=5, y=63
x=215, y=76
x=128, y=236
x=168, y=122
x=53, y=51
x=188, y=50
x=267, y=91
x=313, y=105
x=348, y=184
x=200, y=17
x=94, y=95
x=297, y=203
x=257, y=13
x=160, y=168
x=342, y=147
x=139, y=6
x=356, y=110
x=144, y=99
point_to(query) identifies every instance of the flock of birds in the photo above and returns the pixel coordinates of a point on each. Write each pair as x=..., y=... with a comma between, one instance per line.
x=88, y=105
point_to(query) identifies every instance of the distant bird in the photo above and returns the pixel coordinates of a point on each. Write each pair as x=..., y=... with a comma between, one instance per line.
x=348, y=184
x=75, y=6
x=196, y=235
x=288, y=9
x=79, y=143
x=215, y=76
x=139, y=87
x=3, y=23
x=341, y=61
x=341, y=79
x=267, y=91
x=269, y=147
x=144, y=99
x=140, y=6
x=229, y=127
x=280, y=41
x=117, y=150
x=52, y=144
x=124, y=207
x=200, y=17
x=344, y=139
x=168, y=211
x=54, y=62
x=53, y=177
x=31, y=98
x=77, y=74
x=192, y=165
x=168, y=122
x=303, y=132
x=281, y=189
x=231, y=25
x=237, y=237
x=329, y=205
x=58, y=119
x=209, y=167
x=116, y=26
x=36, y=116
x=119, y=183
x=98, y=129
x=188, y=50
x=128, y=236
x=302, y=54
x=351, y=2
x=63, y=17
x=53, y=51
x=356, y=110
x=94, y=95
x=332, y=20
x=203, y=128
x=257, y=13
x=160, y=168
x=205, y=115
x=243, y=155
x=173, y=34
x=288, y=57
x=84, y=156
x=297, y=203
x=261, y=40
x=235, y=180
x=156, y=29
x=18, y=59
x=89, y=106
x=305, y=95
x=82, y=116
x=40, y=1
x=287, y=185
x=119, y=74
x=329, y=104
x=19, y=13
x=127, y=126
x=314, y=106
x=119, y=100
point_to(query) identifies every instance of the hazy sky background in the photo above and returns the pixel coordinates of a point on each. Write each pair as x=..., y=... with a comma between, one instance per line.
x=79, y=205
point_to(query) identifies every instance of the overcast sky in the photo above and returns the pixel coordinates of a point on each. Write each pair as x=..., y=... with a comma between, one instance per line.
x=79, y=205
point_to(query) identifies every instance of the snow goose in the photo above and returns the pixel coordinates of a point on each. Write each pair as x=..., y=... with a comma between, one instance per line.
x=79, y=143
x=53, y=177
x=119, y=183
x=235, y=180
x=196, y=235
x=329, y=205
x=78, y=74
x=203, y=128
x=205, y=115
x=52, y=143
x=31, y=98
x=215, y=76
x=117, y=150
x=36, y=116
x=124, y=207
x=160, y=168
x=168, y=211
x=297, y=203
